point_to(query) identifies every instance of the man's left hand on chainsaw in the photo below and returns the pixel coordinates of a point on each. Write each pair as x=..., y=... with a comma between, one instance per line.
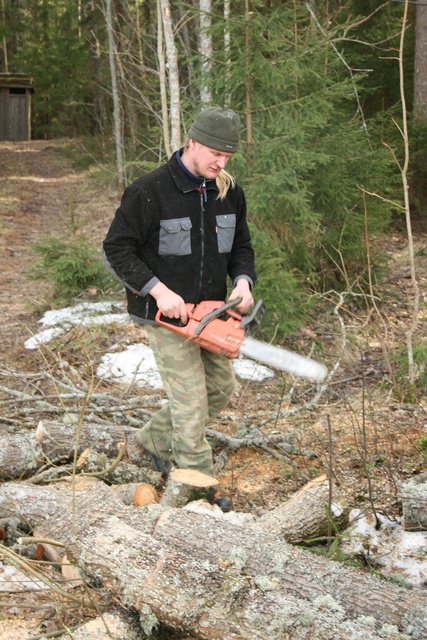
x=169, y=303
x=242, y=290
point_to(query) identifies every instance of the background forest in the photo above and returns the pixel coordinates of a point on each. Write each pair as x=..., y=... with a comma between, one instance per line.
x=324, y=89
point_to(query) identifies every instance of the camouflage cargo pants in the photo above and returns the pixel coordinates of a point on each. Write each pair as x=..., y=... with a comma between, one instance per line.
x=198, y=385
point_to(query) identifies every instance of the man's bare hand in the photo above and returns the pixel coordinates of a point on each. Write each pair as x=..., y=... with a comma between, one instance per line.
x=242, y=290
x=170, y=304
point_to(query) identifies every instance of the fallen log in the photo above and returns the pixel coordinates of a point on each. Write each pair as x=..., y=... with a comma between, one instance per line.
x=115, y=471
x=307, y=514
x=216, y=580
x=136, y=493
x=25, y=451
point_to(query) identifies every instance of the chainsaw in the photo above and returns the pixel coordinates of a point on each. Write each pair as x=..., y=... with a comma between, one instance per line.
x=215, y=326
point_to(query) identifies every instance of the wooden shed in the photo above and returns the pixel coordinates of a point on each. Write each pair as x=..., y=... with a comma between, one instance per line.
x=15, y=106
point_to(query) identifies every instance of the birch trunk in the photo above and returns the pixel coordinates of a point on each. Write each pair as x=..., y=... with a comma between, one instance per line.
x=227, y=50
x=420, y=75
x=115, y=93
x=205, y=48
x=163, y=81
x=174, y=86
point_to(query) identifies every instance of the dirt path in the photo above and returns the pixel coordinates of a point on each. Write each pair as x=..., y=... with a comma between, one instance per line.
x=38, y=191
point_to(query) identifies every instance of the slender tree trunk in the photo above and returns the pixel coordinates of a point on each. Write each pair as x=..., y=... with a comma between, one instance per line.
x=4, y=41
x=227, y=50
x=174, y=87
x=420, y=76
x=163, y=81
x=116, y=99
x=205, y=47
x=404, y=170
x=248, y=88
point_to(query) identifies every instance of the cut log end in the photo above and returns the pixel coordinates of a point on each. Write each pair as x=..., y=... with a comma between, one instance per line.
x=145, y=494
x=186, y=485
x=193, y=478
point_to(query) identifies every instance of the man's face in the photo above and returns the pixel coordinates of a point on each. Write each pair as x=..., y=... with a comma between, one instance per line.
x=205, y=162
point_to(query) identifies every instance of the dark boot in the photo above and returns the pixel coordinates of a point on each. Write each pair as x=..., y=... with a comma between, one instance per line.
x=222, y=501
x=163, y=466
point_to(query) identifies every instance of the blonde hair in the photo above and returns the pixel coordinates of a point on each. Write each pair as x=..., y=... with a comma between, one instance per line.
x=224, y=181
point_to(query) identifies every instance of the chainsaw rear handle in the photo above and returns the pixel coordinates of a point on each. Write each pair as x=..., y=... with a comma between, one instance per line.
x=175, y=323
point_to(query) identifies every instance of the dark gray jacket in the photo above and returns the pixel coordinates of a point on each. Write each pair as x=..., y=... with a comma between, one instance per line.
x=168, y=230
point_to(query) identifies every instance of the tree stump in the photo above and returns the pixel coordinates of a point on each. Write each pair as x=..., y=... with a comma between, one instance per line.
x=186, y=485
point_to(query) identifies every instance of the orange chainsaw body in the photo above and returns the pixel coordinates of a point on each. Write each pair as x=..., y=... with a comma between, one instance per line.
x=223, y=334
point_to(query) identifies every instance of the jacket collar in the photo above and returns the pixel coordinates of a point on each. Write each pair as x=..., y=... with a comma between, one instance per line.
x=183, y=178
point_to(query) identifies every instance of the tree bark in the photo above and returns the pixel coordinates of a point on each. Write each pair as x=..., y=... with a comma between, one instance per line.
x=116, y=98
x=420, y=66
x=174, y=87
x=216, y=580
x=23, y=452
x=414, y=503
x=205, y=49
x=306, y=515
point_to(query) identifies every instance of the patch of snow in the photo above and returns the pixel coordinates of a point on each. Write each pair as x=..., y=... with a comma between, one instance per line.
x=251, y=370
x=239, y=518
x=391, y=548
x=12, y=579
x=42, y=337
x=134, y=365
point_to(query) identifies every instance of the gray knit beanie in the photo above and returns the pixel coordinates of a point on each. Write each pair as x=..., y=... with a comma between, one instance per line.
x=217, y=129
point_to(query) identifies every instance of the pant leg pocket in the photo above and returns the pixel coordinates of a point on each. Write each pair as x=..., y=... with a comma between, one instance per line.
x=175, y=237
x=226, y=228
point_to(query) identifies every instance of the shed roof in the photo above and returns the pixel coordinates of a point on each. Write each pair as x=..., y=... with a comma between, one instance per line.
x=16, y=80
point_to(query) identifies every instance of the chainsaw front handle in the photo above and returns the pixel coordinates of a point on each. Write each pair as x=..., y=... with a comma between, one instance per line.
x=215, y=314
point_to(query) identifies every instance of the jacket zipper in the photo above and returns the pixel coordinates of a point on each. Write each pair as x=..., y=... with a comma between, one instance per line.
x=203, y=198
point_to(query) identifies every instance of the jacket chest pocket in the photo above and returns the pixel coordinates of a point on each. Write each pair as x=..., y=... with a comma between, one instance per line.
x=225, y=230
x=175, y=237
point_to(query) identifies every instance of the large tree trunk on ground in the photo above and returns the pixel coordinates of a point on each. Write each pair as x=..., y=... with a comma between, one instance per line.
x=23, y=452
x=217, y=580
x=307, y=514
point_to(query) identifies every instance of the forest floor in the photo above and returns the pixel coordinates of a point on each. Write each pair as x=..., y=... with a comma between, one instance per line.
x=358, y=429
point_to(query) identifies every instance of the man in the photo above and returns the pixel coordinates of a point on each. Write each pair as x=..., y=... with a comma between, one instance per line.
x=179, y=233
